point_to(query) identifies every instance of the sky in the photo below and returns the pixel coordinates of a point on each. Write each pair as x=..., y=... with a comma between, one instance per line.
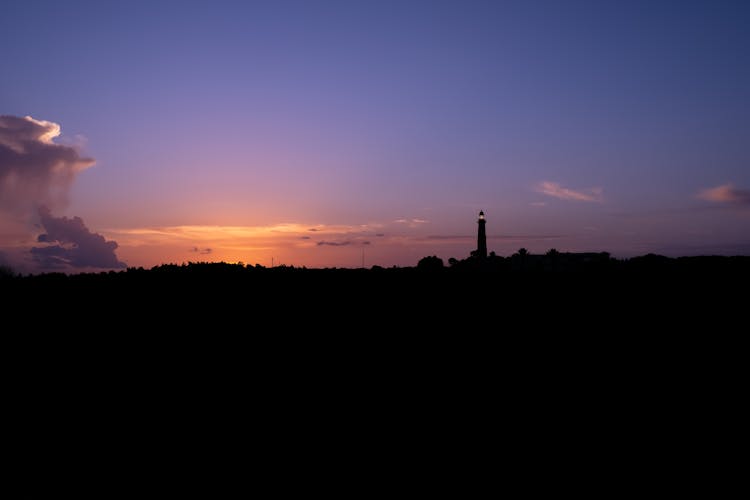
x=324, y=133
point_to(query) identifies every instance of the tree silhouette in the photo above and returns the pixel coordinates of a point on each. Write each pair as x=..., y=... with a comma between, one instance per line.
x=430, y=263
x=6, y=272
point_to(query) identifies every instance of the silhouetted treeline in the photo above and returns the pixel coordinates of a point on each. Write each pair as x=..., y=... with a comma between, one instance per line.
x=524, y=281
x=521, y=263
x=534, y=334
x=601, y=262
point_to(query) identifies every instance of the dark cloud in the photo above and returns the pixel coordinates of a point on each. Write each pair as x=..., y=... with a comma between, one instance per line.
x=202, y=251
x=380, y=235
x=34, y=170
x=343, y=243
x=334, y=243
x=71, y=244
x=313, y=229
x=304, y=237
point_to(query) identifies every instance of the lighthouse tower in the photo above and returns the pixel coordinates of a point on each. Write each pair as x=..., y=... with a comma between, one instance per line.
x=481, y=238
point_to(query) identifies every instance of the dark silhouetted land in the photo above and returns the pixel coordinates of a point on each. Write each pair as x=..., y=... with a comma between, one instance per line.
x=550, y=346
x=523, y=292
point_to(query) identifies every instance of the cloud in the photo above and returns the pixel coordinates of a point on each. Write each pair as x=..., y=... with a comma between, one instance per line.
x=334, y=243
x=33, y=169
x=36, y=173
x=71, y=244
x=202, y=251
x=344, y=243
x=726, y=193
x=557, y=191
x=412, y=223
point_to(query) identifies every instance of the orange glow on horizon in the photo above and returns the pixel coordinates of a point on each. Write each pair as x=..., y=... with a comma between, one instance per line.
x=296, y=244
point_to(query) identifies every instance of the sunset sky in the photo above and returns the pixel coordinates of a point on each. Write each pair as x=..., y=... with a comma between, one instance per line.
x=313, y=132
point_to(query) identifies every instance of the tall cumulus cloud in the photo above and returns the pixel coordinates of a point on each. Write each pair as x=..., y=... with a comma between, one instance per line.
x=33, y=169
x=36, y=173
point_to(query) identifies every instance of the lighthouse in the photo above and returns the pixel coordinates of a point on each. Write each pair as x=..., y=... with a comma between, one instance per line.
x=481, y=238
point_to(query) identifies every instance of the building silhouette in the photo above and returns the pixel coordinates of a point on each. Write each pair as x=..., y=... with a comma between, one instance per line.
x=481, y=238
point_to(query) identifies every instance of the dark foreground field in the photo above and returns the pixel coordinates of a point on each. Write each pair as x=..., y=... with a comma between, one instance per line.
x=631, y=361
x=521, y=324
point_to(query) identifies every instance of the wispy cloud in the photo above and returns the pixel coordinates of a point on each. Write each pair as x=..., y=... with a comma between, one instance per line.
x=414, y=222
x=343, y=243
x=334, y=243
x=726, y=193
x=594, y=194
x=202, y=251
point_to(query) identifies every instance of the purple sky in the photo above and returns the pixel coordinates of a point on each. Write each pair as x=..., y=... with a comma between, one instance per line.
x=580, y=125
